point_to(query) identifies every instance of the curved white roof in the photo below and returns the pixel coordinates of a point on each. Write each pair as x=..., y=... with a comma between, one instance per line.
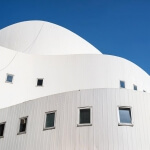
x=44, y=38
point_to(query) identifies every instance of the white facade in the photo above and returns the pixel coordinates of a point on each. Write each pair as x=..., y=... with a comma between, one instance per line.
x=75, y=74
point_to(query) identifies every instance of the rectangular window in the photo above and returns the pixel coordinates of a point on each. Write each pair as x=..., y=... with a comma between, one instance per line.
x=2, y=127
x=125, y=115
x=122, y=84
x=50, y=120
x=135, y=87
x=85, y=117
x=23, y=125
x=9, y=78
x=39, y=82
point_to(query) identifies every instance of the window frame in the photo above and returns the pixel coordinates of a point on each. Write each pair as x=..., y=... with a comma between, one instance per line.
x=124, y=84
x=8, y=74
x=24, y=132
x=49, y=128
x=37, y=82
x=134, y=87
x=4, y=129
x=91, y=116
x=131, y=111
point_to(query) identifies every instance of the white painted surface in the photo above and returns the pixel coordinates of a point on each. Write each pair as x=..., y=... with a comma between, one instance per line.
x=67, y=63
x=104, y=134
x=44, y=38
x=64, y=73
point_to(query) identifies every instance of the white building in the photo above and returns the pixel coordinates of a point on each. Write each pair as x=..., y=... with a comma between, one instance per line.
x=58, y=92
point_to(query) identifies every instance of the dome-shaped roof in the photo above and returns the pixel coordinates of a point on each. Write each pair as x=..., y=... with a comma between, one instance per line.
x=44, y=38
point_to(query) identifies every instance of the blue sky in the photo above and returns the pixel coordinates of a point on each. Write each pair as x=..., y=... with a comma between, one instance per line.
x=115, y=27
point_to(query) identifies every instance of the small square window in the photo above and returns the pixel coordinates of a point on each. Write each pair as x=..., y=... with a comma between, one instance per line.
x=2, y=128
x=9, y=78
x=39, y=82
x=135, y=87
x=23, y=125
x=85, y=116
x=50, y=120
x=125, y=116
x=122, y=84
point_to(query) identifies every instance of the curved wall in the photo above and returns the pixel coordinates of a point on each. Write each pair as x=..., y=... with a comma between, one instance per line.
x=104, y=134
x=75, y=75
x=64, y=73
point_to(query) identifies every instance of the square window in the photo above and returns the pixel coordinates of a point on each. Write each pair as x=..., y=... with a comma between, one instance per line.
x=39, y=82
x=50, y=120
x=135, y=87
x=125, y=116
x=122, y=84
x=2, y=127
x=23, y=125
x=9, y=78
x=85, y=116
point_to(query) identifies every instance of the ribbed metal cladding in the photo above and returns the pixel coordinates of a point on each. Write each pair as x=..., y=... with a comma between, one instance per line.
x=104, y=134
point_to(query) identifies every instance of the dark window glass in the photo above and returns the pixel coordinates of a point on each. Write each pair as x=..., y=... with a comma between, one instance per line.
x=50, y=118
x=9, y=78
x=84, y=116
x=135, y=87
x=125, y=115
x=39, y=82
x=2, y=126
x=122, y=84
x=23, y=124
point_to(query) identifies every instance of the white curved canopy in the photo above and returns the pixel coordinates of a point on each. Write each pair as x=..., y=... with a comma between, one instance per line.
x=44, y=38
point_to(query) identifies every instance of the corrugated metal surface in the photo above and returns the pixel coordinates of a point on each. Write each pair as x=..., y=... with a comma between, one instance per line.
x=104, y=134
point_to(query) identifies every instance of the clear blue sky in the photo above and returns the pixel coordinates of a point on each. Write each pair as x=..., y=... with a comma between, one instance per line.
x=115, y=27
